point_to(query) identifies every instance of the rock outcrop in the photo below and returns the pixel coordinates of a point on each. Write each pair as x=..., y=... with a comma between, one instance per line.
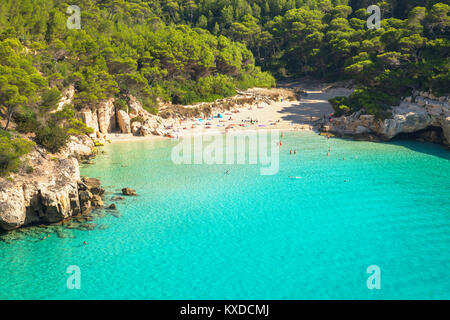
x=90, y=119
x=67, y=97
x=51, y=193
x=128, y=192
x=414, y=114
x=106, y=115
x=12, y=207
x=124, y=121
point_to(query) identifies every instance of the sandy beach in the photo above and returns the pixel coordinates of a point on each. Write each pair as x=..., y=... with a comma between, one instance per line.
x=281, y=115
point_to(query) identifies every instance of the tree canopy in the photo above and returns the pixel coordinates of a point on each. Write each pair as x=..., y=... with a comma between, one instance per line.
x=188, y=51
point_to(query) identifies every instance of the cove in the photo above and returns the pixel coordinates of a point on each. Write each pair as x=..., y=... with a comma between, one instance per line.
x=194, y=232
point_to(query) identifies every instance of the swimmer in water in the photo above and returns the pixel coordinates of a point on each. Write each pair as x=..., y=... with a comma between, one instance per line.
x=227, y=172
x=290, y=151
x=85, y=243
x=343, y=158
x=295, y=151
x=47, y=236
x=328, y=154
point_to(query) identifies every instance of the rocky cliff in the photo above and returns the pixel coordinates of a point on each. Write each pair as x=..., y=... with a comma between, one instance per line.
x=423, y=115
x=51, y=190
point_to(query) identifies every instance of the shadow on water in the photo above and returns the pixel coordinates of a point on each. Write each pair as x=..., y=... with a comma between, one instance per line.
x=432, y=149
x=429, y=148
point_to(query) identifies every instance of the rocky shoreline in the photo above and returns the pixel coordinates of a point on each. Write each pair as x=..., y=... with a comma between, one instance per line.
x=422, y=116
x=52, y=190
x=107, y=119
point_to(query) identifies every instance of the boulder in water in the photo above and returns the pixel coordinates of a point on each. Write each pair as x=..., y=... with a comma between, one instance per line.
x=129, y=192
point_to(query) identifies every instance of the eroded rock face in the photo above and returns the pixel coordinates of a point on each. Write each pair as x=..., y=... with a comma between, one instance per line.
x=136, y=108
x=135, y=128
x=90, y=119
x=124, y=121
x=12, y=207
x=408, y=117
x=53, y=192
x=106, y=114
x=79, y=147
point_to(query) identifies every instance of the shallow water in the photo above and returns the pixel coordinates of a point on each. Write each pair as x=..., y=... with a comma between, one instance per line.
x=194, y=232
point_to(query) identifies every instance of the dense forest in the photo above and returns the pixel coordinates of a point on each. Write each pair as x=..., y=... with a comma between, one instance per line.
x=186, y=51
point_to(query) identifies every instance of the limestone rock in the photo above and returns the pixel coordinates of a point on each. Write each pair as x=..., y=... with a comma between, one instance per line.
x=123, y=120
x=80, y=147
x=12, y=208
x=129, y=192
x=106, y=114
x=136, y=107
x=112, y=206
x=91, y=182
x=136, y=128
x=426, y=112
x=97, y=201
x=90, y=119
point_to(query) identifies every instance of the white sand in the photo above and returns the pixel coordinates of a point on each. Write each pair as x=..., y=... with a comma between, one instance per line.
x=282, y=115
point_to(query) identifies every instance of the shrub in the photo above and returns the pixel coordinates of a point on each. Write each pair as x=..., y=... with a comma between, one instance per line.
x=26, y=122
x=77, y=127
x=11, y=149
x=52, y=137
x=340, y=106
x=120, y=104
x=137, y=119
x=256, y=78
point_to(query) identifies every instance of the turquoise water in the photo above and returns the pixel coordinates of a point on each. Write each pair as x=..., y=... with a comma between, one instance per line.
x=194, y=232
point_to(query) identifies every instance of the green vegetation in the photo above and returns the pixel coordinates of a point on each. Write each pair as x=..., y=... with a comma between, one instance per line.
x=11, y=149
x=122, y=49
x=329, y=39
x=186, y=51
